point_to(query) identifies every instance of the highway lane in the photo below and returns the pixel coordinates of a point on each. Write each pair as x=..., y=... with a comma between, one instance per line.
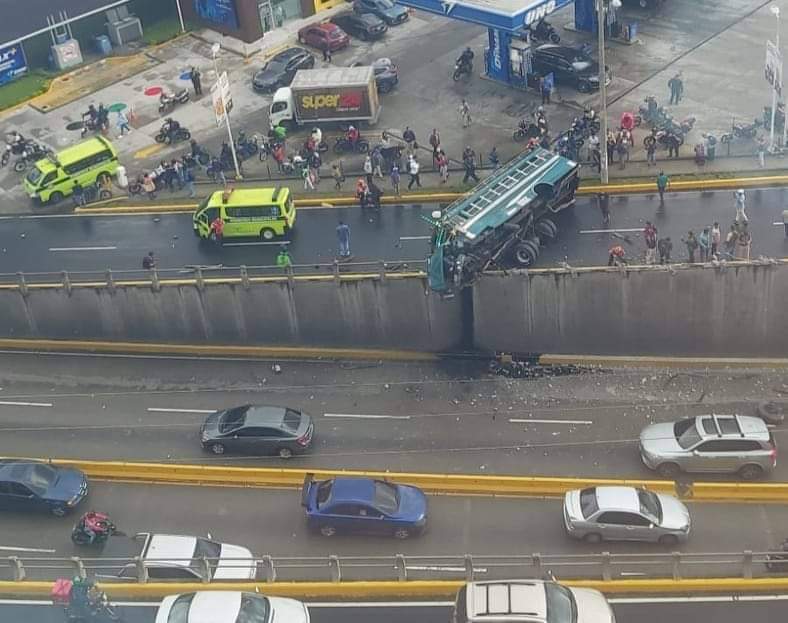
x=272, y=522
x=446, y=417
x=731, y=610
x=396, y=233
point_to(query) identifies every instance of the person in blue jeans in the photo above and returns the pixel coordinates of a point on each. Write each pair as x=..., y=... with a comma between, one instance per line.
x=343, y=236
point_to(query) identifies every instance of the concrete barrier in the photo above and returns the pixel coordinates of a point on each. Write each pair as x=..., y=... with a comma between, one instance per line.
x=733, y=310
x=334, y=311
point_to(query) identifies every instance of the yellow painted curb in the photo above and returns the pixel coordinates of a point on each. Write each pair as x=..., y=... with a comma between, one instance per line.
x=437, y=589
x=148, y=151
x=663, y=362
x=438, y=484
x=262, y=352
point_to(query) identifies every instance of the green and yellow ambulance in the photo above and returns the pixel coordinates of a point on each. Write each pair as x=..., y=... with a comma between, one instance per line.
x=263, y=213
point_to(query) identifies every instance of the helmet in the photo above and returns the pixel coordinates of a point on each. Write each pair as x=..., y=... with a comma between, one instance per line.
x=540, y=109
x=740, y=192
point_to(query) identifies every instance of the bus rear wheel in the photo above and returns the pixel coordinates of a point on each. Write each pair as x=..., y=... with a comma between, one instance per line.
x=267, y=234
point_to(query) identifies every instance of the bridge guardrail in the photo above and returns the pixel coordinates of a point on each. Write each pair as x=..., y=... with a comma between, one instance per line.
x=604, y=566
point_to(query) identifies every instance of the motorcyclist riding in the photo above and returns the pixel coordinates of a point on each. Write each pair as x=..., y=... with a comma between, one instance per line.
x=91, y=114
x=466, y=59
x=170, y=128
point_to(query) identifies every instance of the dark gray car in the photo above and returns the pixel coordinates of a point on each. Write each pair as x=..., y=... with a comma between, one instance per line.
x=258, y=429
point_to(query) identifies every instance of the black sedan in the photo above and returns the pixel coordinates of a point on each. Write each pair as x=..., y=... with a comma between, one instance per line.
x=34, y=486
x=365, y=26
x=258, y=429
x=570, y=66
x=280, y=70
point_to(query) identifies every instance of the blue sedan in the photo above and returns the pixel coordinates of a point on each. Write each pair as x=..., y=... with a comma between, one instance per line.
x=34, y=486
x=364, y=506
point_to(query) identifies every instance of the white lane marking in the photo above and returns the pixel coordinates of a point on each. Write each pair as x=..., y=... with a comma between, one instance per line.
x=173, y=410
x=630, y=573
x=414, y=237
x=440, y=568
x=14, y=403
x=361, y=416
x=57, y=249
x=254, y=244
x=609, y=231
x=535, y=421
x=11, y=548
x=780, y=223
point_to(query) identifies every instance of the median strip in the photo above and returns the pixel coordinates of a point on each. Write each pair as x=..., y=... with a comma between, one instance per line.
x=436, y=484
x=410, y=589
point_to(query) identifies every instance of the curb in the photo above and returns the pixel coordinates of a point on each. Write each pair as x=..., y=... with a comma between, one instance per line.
x=436, y=589
x=498, y=485
x=663, y=362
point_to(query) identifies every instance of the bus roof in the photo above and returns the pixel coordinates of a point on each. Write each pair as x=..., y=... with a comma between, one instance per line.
x=73, y=153
x=507, y=191
x=249, y=196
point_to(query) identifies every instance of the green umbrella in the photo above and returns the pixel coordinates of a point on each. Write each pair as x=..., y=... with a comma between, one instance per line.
x=117, y=107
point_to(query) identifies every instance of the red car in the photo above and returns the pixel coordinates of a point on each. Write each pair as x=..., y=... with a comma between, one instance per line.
x=324, y=36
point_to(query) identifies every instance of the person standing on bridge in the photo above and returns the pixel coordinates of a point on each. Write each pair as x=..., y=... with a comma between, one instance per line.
x=283, y=259
x=650, y=236
x=343, y=237
x=692, y=245
x=665, y=247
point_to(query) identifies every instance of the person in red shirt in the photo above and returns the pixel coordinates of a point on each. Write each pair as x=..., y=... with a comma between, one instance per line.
x=217, y=229
x=616, y=257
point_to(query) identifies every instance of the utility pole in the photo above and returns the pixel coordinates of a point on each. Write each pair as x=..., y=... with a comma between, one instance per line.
x=772, y=145
x=600, y=20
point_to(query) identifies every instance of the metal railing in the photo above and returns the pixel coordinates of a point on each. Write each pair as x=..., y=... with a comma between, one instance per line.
x=603, y=566
x=210, y=273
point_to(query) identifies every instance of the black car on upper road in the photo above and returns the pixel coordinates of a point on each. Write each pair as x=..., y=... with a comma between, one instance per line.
x=280, y=70
x=390, y=12
x=258, y=429
x=35, y=486
x=570, y=66
x=365, y=26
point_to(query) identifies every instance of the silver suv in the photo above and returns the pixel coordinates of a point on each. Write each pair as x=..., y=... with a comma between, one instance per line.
x=709, y=443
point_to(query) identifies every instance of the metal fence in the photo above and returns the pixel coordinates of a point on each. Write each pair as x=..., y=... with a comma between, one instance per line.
x=205, y=274
x=602, y=566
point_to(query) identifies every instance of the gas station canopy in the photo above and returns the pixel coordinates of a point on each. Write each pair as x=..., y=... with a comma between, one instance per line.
x=505, y=15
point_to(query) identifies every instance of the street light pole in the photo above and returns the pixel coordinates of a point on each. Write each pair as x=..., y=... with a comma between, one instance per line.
x=180, y=15
x=214, y=51
x=772, y=146
x=600, y=19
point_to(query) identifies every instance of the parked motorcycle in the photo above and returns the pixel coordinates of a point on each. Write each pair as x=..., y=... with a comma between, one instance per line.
x=343, y=145
x=651, y=112
x=89, y=124
x=167, y=101
x=32, y=152
x=181, y=134
x=199, y=153
x=93, y=528
x=246, y=147
x=543, y=31
x=746, y=131
x=14, y=146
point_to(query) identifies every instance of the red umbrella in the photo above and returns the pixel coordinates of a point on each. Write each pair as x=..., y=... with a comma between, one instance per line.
x=153, y=91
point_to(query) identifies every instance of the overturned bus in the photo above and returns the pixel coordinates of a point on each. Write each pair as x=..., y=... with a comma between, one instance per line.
x=501, y=222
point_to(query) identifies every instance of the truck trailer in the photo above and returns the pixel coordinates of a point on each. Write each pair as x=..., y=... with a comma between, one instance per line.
x=342, y=94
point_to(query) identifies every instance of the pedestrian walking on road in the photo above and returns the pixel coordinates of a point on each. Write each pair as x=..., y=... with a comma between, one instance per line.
x=676, y=86
x=651, y=150
x=283, y=259
x=409, y=136
x=469, y=162
x=149, y=261
x=741, y=215
x=315, y=162
x=413, y=169
x=761, y=151
x=611, y=146
x=465, y=113
x=343, y=237
x=673, y=145
x=443, y=166
x=122, y=123
x=435, y=143
x=336, y=173
x=78, y=193
x=716, y=237
x=650, y=237
x=665, y=248
x=188, y=179
x=377, y=163
x=704, y=243
x=692, y=246
x=367, y=165
x=663, y=181
x=603, y=200
x=395, y=179
x=306, y=174
x=545, y=90
x=196, y=78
